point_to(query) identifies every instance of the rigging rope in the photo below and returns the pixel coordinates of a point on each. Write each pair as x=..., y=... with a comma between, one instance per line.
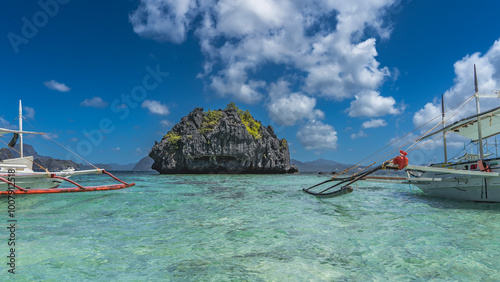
x=46, y=170
x=49, y=138
x=60, y=145
x=374, y=157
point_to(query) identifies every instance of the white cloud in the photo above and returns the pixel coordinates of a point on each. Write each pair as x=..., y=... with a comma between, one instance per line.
x=116, y=149
x=5, y=124
x=95, y=102
x=28, y=112
x=317, y=136
x=371, y=104
x=141, y=151
x=361, y=133
x=488, y=74
x=54, y=85
x=163, y=20
x=324, y=42
x=166, y=123
x=50, y=136
x=155, y=107
x=287, y=108
x=426, y=114
x=374, y=123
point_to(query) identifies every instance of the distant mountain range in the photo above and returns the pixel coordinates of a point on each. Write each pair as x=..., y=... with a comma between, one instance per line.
x=316, y=166
x=320, y=165
x=53, y=164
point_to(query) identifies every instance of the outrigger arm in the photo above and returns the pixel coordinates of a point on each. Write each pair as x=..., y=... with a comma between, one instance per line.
x=344, y=189
x=77, y=188
x=397, y=163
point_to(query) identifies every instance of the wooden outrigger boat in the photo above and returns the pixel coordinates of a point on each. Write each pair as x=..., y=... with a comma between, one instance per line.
x=17, y=175
x=474, y=177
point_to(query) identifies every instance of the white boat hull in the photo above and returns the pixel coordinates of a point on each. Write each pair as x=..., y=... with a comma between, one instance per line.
x=30, y=182
x=476, y=186
x=478, y=189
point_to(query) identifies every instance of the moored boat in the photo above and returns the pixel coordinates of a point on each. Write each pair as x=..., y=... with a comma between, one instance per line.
x=18, y=177
x=473, y=177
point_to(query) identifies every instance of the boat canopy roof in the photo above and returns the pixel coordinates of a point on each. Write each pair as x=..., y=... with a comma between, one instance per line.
x=467, y=127
x=6, y=131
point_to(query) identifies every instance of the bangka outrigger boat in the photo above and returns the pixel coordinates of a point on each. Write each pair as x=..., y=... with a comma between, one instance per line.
x=17, y=175
x=473, y=177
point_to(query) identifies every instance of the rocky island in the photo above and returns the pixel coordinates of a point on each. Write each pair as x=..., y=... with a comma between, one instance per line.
x=221, y=141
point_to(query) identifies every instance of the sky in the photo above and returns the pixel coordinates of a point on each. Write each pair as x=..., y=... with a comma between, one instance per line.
x=338, y=79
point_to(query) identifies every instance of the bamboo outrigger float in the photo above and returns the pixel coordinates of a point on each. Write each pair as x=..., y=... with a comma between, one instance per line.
x=17, y=175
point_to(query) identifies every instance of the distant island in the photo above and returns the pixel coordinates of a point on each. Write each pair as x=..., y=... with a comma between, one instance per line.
x=221, y=141
x=53, y=164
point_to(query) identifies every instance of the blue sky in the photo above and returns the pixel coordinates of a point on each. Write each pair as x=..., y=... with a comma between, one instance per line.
x=338, y=79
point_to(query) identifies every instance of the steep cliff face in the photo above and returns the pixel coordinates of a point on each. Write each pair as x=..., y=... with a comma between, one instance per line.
x=221, y=141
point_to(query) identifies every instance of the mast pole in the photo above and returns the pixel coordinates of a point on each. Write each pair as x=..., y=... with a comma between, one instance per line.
x=20, y=129
x=444, y=132
x=479, y=132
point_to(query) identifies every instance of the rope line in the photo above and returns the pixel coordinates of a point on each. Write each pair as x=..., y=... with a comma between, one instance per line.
x=40, y=166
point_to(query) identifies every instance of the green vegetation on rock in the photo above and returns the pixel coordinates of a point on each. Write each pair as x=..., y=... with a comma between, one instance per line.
x=283, y=144
x=231, y=106
x=210, y=120
x=173, y=139
x=253, y=126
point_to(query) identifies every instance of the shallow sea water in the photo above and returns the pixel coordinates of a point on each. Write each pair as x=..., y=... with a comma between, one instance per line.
x=250, y=228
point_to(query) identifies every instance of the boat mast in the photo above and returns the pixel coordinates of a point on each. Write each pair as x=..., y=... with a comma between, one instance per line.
x=20, y=129
x=444, y=132
x=479, y=132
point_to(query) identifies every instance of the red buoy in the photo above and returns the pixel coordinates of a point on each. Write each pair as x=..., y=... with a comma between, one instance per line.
x=401, y=161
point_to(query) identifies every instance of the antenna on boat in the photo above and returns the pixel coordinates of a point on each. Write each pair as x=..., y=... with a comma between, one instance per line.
x=444, y=132
x=475, y=79
x=479, y=132
x=20, y=129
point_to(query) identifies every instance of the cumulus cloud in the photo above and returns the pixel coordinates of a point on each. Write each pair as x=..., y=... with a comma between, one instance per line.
x=360, y=133
x=323, y=41
x=316, y=135
x=5, y=124
x=488, y=74
x=54, y=85
x=163, y=20
x=429, y=112
x=374, y=123
x=165, y=123
x=28, y=112
x=287, y=108
x=96, y=102
x=371, y=104
x=155, y=107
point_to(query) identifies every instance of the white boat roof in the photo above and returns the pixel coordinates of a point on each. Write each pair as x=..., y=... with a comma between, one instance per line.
x=467, y=127
x=6, y=131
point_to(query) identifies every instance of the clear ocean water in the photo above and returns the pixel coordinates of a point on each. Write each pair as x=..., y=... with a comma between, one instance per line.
x=250, y=228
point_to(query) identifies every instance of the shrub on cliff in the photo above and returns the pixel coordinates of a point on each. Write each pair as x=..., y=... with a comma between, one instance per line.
x=210, y=120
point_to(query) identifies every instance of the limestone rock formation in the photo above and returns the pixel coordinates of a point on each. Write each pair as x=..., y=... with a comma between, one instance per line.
x=221, y=141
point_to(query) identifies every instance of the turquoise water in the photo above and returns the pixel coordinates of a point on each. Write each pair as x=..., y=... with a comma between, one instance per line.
x=250, y=228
